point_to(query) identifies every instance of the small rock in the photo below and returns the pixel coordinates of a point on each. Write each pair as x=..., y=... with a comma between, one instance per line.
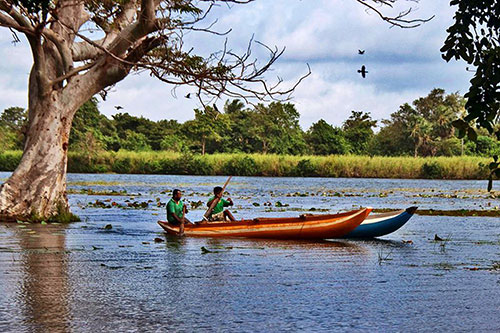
x=437, y=238
x=108, y=227
x=159, y=240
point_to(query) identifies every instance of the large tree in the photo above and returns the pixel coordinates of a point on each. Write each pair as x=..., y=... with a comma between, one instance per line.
x=69, y=67
x=358, y=131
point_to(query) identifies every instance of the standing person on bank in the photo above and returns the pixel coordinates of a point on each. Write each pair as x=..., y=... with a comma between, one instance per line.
x=176, y=211
x=219, y=213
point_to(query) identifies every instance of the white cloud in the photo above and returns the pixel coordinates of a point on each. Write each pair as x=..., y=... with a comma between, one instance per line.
x=403, y=64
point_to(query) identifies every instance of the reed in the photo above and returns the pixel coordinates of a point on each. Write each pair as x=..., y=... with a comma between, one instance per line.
x=163, y=162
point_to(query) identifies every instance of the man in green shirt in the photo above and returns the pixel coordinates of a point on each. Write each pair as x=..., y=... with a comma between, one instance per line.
x=219, y=213
x=176, y=211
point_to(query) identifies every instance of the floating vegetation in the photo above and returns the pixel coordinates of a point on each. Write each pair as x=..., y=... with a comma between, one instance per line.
x=88, y=191
x=196, y=204
x=108, y=203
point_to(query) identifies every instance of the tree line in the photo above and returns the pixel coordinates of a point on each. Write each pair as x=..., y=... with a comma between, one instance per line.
x=422, y=128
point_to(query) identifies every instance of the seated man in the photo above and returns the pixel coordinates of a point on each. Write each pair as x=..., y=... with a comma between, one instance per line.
x=176, y=211
x=219, y=213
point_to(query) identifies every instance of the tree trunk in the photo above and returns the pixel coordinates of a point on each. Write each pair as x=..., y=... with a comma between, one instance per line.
x=37, y=188
x=203, y=143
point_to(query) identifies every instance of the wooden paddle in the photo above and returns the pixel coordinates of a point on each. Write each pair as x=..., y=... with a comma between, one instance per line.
x=215, y=201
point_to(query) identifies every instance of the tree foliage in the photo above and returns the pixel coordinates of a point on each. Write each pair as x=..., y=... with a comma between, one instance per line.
x=324, y=139
x=474, y=38
x=13, y=125
x=358, y=129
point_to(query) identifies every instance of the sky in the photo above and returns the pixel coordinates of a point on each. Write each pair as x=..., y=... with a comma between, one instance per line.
x=402, y=64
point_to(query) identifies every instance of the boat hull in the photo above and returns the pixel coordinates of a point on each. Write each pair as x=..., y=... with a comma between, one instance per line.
x=382, y=224
x=302, y=227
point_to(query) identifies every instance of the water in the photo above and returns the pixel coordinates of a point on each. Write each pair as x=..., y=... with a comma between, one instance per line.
x=83, y=278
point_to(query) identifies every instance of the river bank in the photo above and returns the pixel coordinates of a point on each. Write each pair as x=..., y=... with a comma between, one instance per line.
x=335, y=166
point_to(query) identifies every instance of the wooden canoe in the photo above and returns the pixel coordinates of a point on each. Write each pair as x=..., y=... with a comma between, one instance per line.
x=302, y=227
x=382, y=224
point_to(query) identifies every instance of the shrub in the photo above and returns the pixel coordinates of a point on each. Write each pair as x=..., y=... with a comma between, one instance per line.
x=9, y=160
x=432, y=170
x=122, y=165
x=241, y=166
x=305, y=169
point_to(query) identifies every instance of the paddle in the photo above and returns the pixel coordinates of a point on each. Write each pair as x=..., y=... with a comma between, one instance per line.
x=215, y=201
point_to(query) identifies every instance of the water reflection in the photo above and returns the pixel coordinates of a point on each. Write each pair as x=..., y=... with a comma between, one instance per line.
x=44, y=290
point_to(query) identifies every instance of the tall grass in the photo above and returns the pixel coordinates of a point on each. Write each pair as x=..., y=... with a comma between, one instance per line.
x=466, y=167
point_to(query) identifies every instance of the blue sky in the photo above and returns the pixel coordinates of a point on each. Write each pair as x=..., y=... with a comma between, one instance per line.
x=403, y=64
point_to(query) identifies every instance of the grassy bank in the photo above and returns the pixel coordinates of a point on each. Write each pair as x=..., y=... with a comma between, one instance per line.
x=269, y=165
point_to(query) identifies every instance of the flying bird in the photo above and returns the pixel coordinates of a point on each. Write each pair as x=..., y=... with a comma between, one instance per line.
x=216, y=108
x=217, y=111
x=361, y=52
x=118, y=107
x=363, y=71
x=188, y=95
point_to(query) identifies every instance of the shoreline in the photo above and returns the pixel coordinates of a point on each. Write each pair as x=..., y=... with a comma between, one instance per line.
x=259, y=165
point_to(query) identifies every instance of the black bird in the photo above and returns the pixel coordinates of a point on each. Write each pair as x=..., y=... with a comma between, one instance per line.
x=363, y=71
x=118, y=107
x=188, y=95
x=361, y=52
x=216, y=108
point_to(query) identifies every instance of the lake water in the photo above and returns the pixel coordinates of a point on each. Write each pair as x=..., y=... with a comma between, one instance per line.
x=85, y=278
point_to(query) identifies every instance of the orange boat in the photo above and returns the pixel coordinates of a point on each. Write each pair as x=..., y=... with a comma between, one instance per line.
x=302, y=227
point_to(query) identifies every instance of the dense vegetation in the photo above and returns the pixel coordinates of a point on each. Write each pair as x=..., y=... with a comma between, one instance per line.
x=421, y=129
x=459, y=167
x=418, y=141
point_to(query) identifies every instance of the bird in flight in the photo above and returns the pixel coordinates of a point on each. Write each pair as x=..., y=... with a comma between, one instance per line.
x=361, y=52
x=118, y=107
x=188, y=95
x=363, y=71
x=216, y=110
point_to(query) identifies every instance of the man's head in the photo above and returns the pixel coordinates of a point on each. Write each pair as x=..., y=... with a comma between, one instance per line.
x=177, y=194
x=217, y=190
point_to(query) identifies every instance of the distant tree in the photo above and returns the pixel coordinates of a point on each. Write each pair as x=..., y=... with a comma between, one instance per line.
x=241, y=123
x=89, y=124
x=135, y=141
x=420, y=129
x=358, y=130
x=394, y=138
x=173, y=143
x=324, y=139
x=207, y=128
x=14, y=122
x=276, y=129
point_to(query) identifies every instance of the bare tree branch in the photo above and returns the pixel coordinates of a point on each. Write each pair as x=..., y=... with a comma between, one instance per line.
x=398, y=20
